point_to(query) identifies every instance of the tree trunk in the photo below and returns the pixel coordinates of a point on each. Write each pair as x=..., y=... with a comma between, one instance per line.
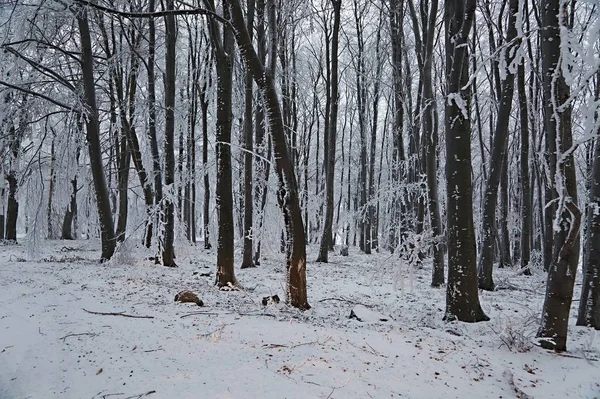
x=156, y=167
x=288, y=188
x=526, y=206
x=224, y=197
x=565, y=253
x=12, y=209
x=247, y=261
x=51, y=188
x=398, y=155
x=107, y=230
x=332, y=139
x=462, y=297
x=168, y=254
x=497, y=160
x=123, y=186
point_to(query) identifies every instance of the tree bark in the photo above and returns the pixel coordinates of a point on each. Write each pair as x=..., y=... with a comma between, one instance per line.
x=156, y=167
x=168, y=254
x=497, y=160
x=462, y=297
x=288, y=186
x=332, y=139
x=526, y=206
x=565, y=252
x=107, y=230
x=247, y=261
x=224, y=47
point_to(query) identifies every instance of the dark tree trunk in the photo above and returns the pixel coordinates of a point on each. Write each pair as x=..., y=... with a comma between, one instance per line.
x=497, y=160
x=123, y=182
x=70, y=214
x=398, y=155
x=589, y=305
x=288, y=188
x=205, y=177
x=247, y=260
x=462, y=296
x=156, y=167
x=12, y=209
x=326, y=243
x=526, y=206
x=224, y=197
x=565, y=253
x=168, y=254
x=373, y=233
x=107, y=230
x=430, y=136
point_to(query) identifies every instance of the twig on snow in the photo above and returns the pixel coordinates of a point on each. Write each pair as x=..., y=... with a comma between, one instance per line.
x=204, y=313
x=141, y=395
x=272, y=346
x=78, y=335
x=119, y=314
x=342, y=299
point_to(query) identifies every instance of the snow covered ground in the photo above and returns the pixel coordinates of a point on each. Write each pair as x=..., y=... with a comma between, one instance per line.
x=51, y=346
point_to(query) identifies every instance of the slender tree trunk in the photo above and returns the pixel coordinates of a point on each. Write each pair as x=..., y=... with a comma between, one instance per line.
x=398, y=156
x=589, y=304
x=497, y=160
x=462, y=297
x=288, y=188
x=168, y=254
x=332, y=138
x=107, y=230
x=51, y=188
x=123, y=187
x=156, y=167
x=247, y=261
x=526, y=206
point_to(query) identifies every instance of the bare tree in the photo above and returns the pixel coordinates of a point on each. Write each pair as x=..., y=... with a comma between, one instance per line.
x=462, y=297
x=557, y=118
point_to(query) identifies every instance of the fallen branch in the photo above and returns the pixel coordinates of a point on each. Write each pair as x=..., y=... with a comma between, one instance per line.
x=591, y=359
x=273, y=346
x=119, y=314
x=204, y=313
x=518, y=391
x=141, y=395
x=342, y=299
x=226, y=313
x=77, y=335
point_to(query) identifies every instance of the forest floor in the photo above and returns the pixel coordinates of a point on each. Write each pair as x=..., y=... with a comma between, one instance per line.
x=51, y=346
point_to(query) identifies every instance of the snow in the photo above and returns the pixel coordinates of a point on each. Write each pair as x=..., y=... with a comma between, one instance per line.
x=50, y=347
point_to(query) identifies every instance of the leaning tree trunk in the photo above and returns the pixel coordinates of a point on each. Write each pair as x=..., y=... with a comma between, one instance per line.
x=107, y=230
x=331, y=136
x=462, y=296
x=496, y=167
x=565, y=251
x=288, y=186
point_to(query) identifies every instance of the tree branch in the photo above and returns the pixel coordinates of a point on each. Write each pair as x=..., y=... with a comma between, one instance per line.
x=36, y=94
x=155, y=14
